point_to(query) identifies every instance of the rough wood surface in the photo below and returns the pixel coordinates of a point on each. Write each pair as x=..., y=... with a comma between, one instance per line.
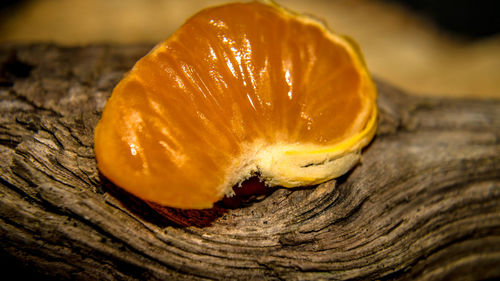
x=423, y=204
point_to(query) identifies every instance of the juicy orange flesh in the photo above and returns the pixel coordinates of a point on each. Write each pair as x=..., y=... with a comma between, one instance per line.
x=229, y=76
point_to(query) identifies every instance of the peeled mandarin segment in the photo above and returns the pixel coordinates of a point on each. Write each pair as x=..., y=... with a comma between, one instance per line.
x=237, y=90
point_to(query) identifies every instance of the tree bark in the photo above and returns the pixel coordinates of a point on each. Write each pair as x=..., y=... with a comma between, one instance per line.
x=424, y=203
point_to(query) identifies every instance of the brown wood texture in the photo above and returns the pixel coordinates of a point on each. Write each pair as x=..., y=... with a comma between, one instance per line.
x=423, y=204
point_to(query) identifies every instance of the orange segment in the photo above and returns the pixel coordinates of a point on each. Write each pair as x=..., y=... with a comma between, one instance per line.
x=239, y=89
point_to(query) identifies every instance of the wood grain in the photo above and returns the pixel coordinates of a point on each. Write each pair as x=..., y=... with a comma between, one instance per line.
x=423, y=204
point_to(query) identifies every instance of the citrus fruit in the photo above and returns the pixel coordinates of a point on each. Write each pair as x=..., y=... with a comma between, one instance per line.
x=238, y=90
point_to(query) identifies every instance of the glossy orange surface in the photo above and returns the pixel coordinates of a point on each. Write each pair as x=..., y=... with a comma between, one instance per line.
x=232, y=77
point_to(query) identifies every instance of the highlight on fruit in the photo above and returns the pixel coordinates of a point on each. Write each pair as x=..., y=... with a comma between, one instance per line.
x=239, y=90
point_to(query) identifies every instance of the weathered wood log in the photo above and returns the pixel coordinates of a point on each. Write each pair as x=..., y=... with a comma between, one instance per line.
x=424, y=203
